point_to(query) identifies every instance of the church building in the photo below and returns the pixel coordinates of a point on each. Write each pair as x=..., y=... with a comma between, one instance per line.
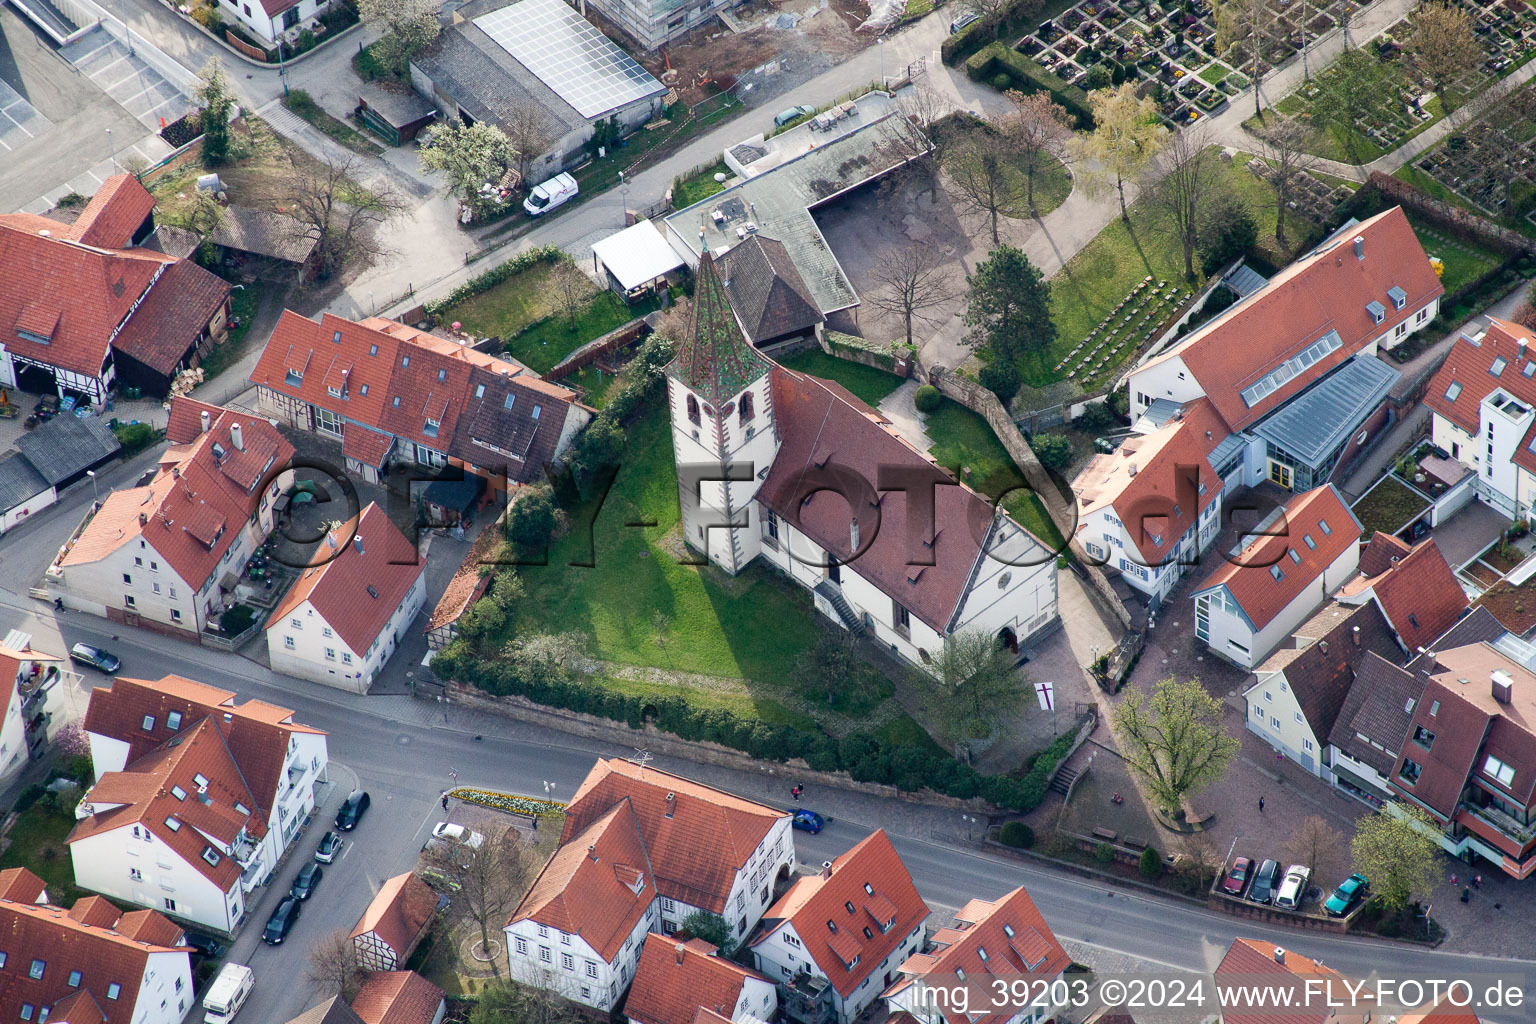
x=779, y=465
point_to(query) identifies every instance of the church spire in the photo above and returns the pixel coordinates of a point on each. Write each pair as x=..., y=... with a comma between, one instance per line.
x=715, y=361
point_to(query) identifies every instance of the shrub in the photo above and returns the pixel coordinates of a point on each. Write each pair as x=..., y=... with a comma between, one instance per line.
x=1235, y=234
x=928, y=399
x=1053, y=450
x=1105, y=853
x=1002, y=379
x=1096, y=417
x=532, y=519
x=29, y=796
x=1029, y=77
x=1099, y=77
x=1151, y=863
x=1017, y=835
x=237, y=619
x=135, y=437
x=1002, y=82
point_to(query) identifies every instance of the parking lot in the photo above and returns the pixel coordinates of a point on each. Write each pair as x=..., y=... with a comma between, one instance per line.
x=127, y=79
x=19, y=120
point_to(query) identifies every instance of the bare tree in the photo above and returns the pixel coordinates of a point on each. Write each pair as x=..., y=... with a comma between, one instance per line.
x=915, y=136
x=492, y=878
x=1319, y=846
x=979, y=172
x=1280, y=143
x=1443, y=44
x=570, y=287
x=1188, y=176
x=913, y=280
x=1125, y=137
x=1502, y=151
x=333, y=967
x=527, y=128
x=1205, y=855
x=1039, y=129
x=341, y=216
x=1255, y=26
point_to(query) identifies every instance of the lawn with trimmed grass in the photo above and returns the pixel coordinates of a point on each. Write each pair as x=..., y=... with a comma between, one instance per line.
x=550, y=340
x=1464, y=263
x=510, y=306
x=1105, y=271
x=1215, y=73
x=37, y=844
x=870, y=383
x=698, y=187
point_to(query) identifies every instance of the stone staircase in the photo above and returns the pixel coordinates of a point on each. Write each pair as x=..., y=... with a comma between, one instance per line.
x=1063, y=780
x=834, y=596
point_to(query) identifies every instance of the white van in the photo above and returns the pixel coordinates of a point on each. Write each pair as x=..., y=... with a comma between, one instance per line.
x=227, y=994
x=1294, y=889
x=549, y=194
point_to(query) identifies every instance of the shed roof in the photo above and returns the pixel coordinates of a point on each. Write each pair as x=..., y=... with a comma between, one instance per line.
x=18, y=481
x=637, y=255
x=264, y=233
x=67, y=446
x=1313, y=423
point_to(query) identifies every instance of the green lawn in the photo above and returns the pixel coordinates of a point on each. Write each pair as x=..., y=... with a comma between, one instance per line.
x=37, y=844
x=700, y=186
x=552, y=339
x=1053, y=183
x=243, y=302
x=868, y=382
x=1463, y=262
x=1215, y=72
x=510, y=306
x=596, y=384
x=1387, y=507
x=963, y=439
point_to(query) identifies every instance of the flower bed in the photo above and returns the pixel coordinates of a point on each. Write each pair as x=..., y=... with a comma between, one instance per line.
x=531, y=806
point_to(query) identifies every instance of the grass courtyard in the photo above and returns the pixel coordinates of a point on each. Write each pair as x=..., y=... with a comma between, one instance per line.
x=1464, y=262
x=867, y=382
x=37, y=844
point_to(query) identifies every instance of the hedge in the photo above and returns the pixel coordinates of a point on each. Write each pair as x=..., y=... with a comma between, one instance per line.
x=1029, y=77
x=985, y=30
x=497, y=274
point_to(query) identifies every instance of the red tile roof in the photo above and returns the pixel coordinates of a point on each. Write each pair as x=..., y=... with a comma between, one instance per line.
x=467, y=585
x=370, y=447
x=695, y=850
x=397, y=997
x=95, y=910
x=1007, y=937
x=367, y=567
x=1333, y=644
x=1250, y=962
x=1325, y=290
x=257, y=733
x=597, y=885
x=172, y=316
x=824, y=430
x=193, y=510
x=114, y=213
x=674, y=979
x=1443, y=1011
x=1381, y=553
x=399, y=913
x=1280, y=542
x=1418, y=593
x=1458, y=388
x=66, y=944
x=868, y=876
x=1148, y=482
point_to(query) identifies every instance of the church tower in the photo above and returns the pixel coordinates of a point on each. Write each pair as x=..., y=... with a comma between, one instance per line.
x=720, y=395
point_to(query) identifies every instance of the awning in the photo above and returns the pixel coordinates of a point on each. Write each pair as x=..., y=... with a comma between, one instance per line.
x=637, y=255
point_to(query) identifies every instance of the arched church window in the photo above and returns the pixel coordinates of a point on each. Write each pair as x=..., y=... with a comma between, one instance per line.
x=693, y=409
x=747, y=409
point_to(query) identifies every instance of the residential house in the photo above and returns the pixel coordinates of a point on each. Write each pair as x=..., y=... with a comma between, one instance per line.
x=167, y=554
x=196, y=799
x=1482, y=400
x=1003, y=941
x=343, y=618
x=396, y=396
x=1415, y=589
x=48, y=459
x=579, y=930
x=399, y=997
x=29, y=686
x=1291, y=368
x=732, y=875
x=394, y=923
x=769, y=297
x=1313, y=992
x=675, y=978
x=269, y=19
x=1292, y=561
x=333, y=1011
x=1467, y=759
x=654, y=23
x=838, y=938
x=1297, y=693
x=90, y=306
x=90, y=964
x=1152, y=508
x=1377, y=715
x=904, y=552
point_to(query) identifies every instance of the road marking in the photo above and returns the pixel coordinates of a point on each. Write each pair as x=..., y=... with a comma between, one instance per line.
x=346, y=848
x=116, y=61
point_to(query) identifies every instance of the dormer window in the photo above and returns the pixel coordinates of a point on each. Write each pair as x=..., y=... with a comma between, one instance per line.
x=334, y=391
x=430, y=429
x=293, y=378
x=1398, y=296
x=1377, y=310
x=211, y=856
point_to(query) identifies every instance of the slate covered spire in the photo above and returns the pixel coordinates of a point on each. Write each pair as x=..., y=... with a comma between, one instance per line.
x=715, y=361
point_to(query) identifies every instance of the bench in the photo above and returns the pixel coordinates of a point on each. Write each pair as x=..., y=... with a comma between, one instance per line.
x=1134, y=843
x=1107, y=834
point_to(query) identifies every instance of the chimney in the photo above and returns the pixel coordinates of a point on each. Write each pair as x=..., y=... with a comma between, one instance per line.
x=206, y=420
x=357, y=542
x=175, y=472
x=1359, y=247
x=592, y=852
x=1131, y=470
x=1279, y=955
x=826, y=869
x=1503, y=686
x=1520, y=348
x=143, y=518
x=236, y=437
x=679, y=950
x=671, y=804
x=1355, y=635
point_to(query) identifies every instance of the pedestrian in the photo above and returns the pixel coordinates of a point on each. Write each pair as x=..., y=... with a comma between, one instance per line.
x=1477, y=881
x=445, y=718
x=445, y=801
x=1261, y=805
x=1453, y=879
x=1466, y=894
x=535, y=822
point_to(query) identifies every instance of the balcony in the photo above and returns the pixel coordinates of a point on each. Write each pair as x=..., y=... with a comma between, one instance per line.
x=1512, y=828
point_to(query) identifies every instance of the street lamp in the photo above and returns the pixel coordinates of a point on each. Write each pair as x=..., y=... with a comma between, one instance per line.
x=95, y=494
x=881, y=41
x=111, y=150
x=282, y=72
x=624, y=199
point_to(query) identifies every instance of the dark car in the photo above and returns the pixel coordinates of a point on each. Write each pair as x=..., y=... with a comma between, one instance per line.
x=205, y=945
x=1346, y=895
x=102, y=661
x=281, y=921
x=307, y=881
x=1237, y=876
x=330, y=846
x=352, y=811
x=807, y=821
x=1265, y=881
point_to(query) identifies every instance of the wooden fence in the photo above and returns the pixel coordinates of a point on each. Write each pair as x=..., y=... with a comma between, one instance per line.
x=592, y=351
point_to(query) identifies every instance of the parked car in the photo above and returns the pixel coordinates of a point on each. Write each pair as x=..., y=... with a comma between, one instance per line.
x=1265, y=881
x=962, y=20
x=307, y=881
x=352, y=811
x=281, y=922
x=783, y=117
x=1294, y=889
x=329, y=848
x=205, y=945
x=448, y=832
x=1237, y=876
x=1344, y=898
x=547, y=195
x=95, y=657
x=807, y=821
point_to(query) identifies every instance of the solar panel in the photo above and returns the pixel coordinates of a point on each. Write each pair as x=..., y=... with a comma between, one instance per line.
x=567, y=53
